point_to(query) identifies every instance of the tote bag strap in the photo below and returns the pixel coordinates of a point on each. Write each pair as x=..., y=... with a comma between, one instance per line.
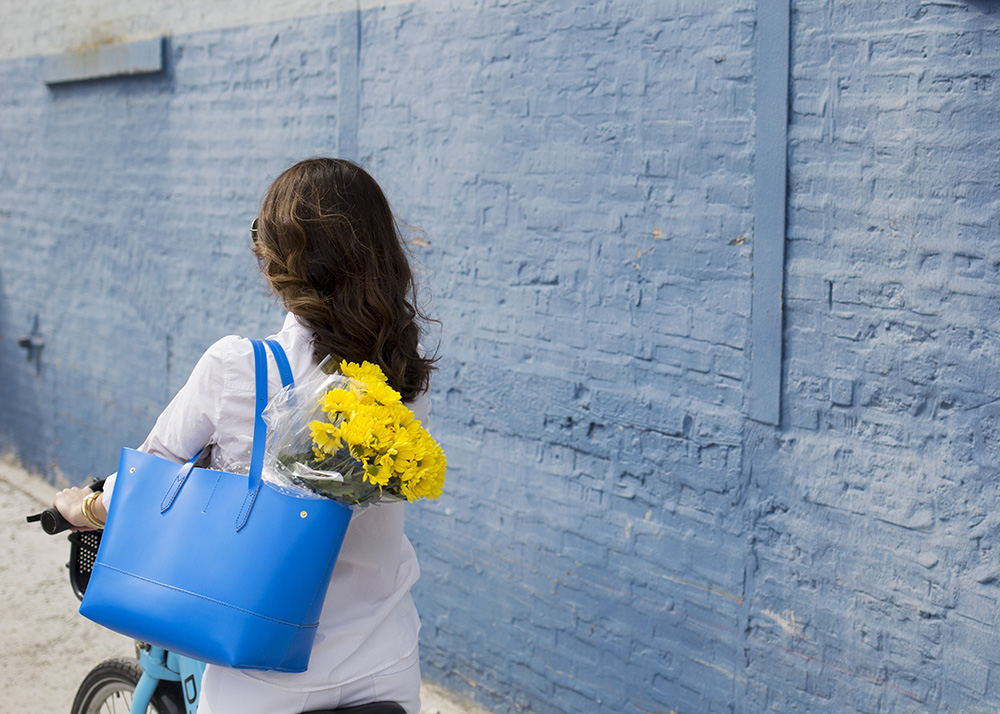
x=259, y=431
x=259, y=427
x=282, y=361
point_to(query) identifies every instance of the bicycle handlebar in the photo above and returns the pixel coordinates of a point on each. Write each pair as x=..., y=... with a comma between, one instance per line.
x=52, y=520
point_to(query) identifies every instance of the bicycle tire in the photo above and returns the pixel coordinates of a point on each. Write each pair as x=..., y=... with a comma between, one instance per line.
x=108, y=688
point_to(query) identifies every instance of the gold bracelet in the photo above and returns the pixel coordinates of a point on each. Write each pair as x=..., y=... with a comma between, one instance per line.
x=85, y=510
x=88, y=514
x=90, y=509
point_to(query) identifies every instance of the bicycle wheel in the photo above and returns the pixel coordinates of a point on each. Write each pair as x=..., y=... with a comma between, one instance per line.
x=108, y=689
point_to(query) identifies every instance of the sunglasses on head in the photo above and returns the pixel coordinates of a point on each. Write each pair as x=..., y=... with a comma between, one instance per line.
x=253, y=230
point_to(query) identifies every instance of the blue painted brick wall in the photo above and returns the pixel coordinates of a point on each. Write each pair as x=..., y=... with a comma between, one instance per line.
x=616, y=535
x=883, y=489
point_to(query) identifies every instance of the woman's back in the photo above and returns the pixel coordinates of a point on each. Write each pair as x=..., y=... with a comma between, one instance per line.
x=369, y=622
x=328, y=246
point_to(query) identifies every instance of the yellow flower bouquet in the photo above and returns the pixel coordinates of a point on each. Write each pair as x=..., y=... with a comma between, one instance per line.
x=348, y=436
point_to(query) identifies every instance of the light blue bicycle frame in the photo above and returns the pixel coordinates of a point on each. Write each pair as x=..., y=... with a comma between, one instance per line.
x=159, y=665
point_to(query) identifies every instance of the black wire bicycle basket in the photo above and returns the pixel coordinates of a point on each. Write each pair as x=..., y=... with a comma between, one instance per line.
x=82, y=553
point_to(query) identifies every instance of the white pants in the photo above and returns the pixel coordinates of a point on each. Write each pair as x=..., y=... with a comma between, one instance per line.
x=226, y=691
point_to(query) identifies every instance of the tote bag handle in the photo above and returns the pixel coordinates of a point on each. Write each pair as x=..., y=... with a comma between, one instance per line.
x=259, y=432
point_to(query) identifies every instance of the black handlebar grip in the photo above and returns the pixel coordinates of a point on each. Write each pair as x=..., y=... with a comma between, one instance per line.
x=51, y=521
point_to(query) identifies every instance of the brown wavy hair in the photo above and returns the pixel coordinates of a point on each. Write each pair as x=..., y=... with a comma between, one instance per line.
x=331, y=250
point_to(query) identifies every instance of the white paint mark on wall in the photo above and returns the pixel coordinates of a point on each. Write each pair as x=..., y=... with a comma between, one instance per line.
x=786, y=621
x=726, y=672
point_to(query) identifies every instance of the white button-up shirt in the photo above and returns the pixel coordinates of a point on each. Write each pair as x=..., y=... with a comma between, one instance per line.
x=369, y=621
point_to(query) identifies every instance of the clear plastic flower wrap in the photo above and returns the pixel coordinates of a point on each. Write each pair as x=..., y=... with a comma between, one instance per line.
x=346, y=435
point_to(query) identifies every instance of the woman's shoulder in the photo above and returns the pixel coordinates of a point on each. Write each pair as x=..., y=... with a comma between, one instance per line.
x=232, y=358
x=230, y=349
x=229, y=344
x=421, y=407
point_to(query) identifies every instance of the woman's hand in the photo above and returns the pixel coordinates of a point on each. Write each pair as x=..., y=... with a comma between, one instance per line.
x=69, y=502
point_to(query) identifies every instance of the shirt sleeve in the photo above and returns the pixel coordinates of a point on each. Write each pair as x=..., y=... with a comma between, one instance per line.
x=189, y=421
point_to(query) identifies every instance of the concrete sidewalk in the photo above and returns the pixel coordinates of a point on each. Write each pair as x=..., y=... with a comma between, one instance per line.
x=47, y=648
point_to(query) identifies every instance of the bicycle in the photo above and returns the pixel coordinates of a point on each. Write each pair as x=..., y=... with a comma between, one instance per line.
x=157, y=681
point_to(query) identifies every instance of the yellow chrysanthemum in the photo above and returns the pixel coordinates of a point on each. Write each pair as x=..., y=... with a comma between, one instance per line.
x=386, y=462
x=365, y=372
x=382, y=393
x=340, y=402
x=409, y=452
x=325, y=436
x=423, y=485
x=401, y=415
x=357, y=431
x=368, y=421
x=376, y=475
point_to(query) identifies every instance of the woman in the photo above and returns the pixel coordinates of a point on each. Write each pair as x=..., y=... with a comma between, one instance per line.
x=328, y=245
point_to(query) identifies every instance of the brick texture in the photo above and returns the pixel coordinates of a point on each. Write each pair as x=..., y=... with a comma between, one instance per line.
x=577, y=181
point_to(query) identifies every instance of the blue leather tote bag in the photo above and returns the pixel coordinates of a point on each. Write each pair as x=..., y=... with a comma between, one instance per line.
x=217, y=566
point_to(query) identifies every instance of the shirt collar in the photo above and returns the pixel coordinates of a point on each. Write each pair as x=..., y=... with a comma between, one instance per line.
x=297, y=326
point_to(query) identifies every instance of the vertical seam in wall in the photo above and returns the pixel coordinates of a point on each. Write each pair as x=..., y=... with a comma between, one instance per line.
x=349, y=101
x=766, y=310
x=770, y=204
